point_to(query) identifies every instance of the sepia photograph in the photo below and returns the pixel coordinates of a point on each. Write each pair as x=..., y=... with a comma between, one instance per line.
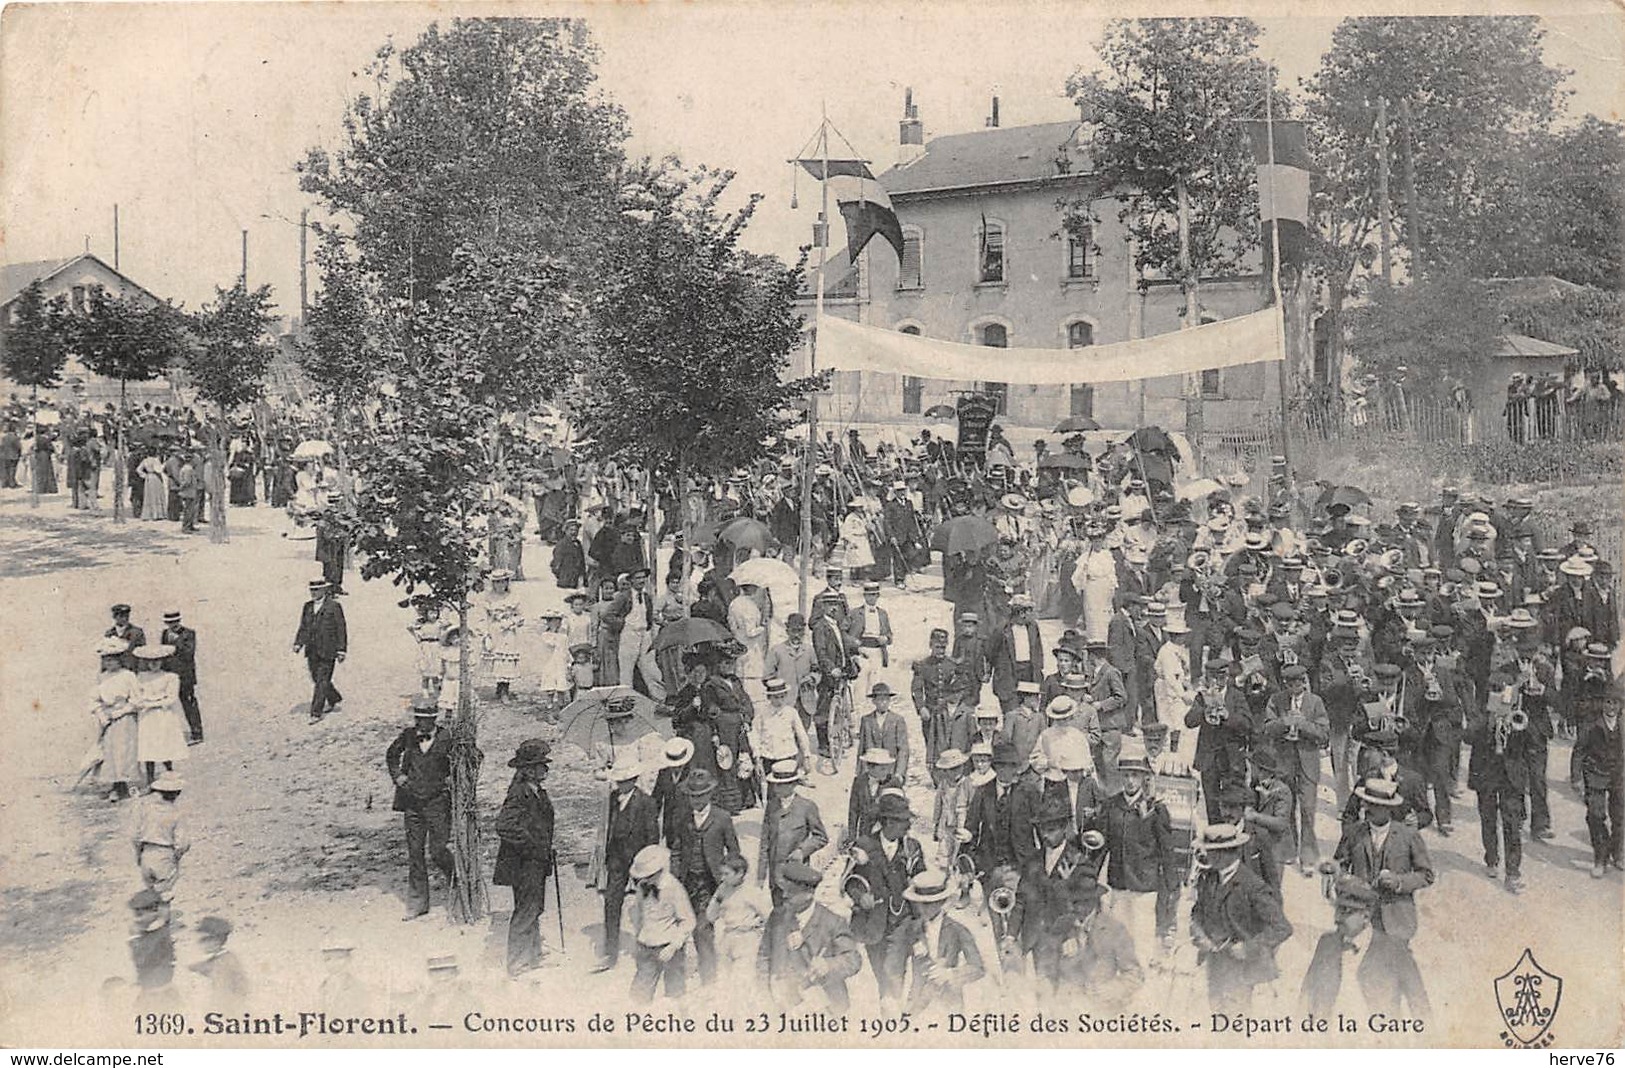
x=720, y=525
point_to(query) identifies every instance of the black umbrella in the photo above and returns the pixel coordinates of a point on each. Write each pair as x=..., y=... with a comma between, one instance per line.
x=941, y=411
x=1074, y=423
x=1153, y=439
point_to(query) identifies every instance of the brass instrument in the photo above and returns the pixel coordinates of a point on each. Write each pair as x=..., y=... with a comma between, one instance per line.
x=1430, y=677
x=1200, y=858
x=1092, y=841
x=1402, y=723
x=1216, y=713
x=1002, y=901
x=1333, y=579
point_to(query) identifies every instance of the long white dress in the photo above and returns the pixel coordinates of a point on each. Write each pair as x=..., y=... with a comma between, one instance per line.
x=855, y=540
x=113, y=703
x=1095, y=579
x=161, y=732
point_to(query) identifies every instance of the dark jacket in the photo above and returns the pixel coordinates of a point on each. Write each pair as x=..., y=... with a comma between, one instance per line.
x=322, y=634
x=824, y=937
x=1006, y=672
x=184, y=662
x=704, y=848
x=1244, y=910
x=525, y=827
x=630, y=829
x=1050, y=904
x=1405, y=855
x=1385, y=970
x=428, y=774
x=887, y=880
x=1002, y=828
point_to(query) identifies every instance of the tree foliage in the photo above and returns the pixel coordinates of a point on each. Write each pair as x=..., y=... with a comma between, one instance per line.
x=227, y=361
x=692, y=334
x=128, y=339
x=1434, y=329
x=489, y=133
x=34, y=342
x=1477, y=86
x=1166, y=108
x=339, y=350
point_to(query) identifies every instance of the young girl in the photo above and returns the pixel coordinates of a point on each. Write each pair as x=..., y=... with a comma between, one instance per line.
x=426, y=634
x=582, y=668
x=503, y=621
x=738, y=916
x=451, y=670
x=553, y=667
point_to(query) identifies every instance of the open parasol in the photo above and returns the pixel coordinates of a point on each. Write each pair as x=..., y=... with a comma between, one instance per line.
x=583, y=718
x=778, y=577
x=746, y=533
x=1200, y=488
x=964, y=534
x=690, y=631
x=1346, y=497
x=1065, y=461
x=314, y=449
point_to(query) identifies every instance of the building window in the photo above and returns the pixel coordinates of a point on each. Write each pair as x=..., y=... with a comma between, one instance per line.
x=992, y=250
x=994, y=335
x=911, y=271
x=1080, y=335
x=78, y=299
x=1212, y=386
x=1077, y=253
x=913, y=388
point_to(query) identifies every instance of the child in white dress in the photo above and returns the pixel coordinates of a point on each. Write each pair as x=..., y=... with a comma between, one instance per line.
x=553, y=663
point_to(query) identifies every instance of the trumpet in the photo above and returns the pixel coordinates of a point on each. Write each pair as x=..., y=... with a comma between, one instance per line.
x=1430, y=676
x=1518, y=720
x=1200, y=858
x=1402, y=723
x=1002, y=901
x=1333, y=579
x=1092, y=841
x=1216, y=714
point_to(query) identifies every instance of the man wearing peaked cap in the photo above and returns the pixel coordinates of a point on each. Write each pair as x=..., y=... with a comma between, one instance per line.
x=805, y=946
x=323, y=638
x=524, y=827
x=1384, y=970
x=419, y=763
x=663, y=921
x=132, y=636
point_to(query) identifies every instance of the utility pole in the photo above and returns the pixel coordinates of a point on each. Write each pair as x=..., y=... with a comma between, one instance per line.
x=244, y=277
x=1281, y=375
x=1413, y=224
x=1187, y=278
x=304, y=228
x=821, y=232
x=1384, y=213
x=115, y=237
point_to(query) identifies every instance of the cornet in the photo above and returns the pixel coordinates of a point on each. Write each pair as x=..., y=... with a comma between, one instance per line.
x=1002, y=901
x=1092, y=841
x=1216, y=713
x=1430, y=676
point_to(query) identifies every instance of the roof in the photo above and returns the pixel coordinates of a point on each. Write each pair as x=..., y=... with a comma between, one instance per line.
x=16, y=277
x=1521, y=346
x=994, y=156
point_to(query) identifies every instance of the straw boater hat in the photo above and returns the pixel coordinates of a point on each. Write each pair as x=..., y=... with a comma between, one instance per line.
x=1061, y=708
x=625, y=771
x=1379, y=792
x=1222, y=836
x=949, y=759
x=784, y=773
x=1576, y=567
x=877, y=756
x=167, y=783
x=776, y=687
x=928, y=885
x=678, y=752
x=155, y=652
x=112, y=647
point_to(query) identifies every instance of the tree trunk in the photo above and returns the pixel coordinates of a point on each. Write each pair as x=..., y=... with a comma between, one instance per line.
x=219, y=435
x=121, y=454
x=688, y=531
x=651, y=524
x=468, y=899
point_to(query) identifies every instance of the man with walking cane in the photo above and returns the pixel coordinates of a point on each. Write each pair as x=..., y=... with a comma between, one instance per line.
x=525, y=857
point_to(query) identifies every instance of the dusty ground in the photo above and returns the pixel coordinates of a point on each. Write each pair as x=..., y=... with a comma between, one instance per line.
x=296, y=844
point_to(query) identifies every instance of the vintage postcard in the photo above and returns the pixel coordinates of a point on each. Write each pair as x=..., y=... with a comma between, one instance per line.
x=1017, y=524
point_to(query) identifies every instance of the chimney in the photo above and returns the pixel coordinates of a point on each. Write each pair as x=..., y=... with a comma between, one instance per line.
x=993, y=119
x=910, y=132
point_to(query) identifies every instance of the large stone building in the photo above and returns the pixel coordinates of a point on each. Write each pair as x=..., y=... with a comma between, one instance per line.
x=1026, y=284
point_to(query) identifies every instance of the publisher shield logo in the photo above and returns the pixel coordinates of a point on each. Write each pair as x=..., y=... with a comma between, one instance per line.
x=1528, y=997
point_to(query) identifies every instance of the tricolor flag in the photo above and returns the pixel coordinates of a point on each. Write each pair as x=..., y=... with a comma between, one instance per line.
x=1284, y=168
x=864, y=205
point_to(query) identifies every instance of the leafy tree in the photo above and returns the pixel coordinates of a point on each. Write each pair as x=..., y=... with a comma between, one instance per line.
x=1589, y=319
x=1435, y=329
x=692, y=334
x=490, y=132
x=131, y=340
x=339, y=351
x=227, y=365
x=1166, y=109
x=1475, y=86
x=498, y=338
x=34, y=347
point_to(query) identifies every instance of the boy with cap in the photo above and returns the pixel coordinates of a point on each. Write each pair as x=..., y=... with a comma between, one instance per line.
x=227, y=983
x=160, y=840
x=662, y=922
x=1388, y=978
x=805, y=945
x=524, y=826
x=885, y=729
x=419, y=764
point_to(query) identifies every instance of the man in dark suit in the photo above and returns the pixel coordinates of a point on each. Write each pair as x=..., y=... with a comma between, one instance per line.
x=184, y=664
x=1385, y=970
x=1110, y=698
x=699, y=863
x=332, y=543
x=1295, y=722
x=525, y=858
x=1224, y=724
x=126, y=631
x=1016, y=653
x=323, y=639
x=1122, y=636
x=1057, y=890
x=1236, y=921
x=1141, y=867
x=792, y=826
x=835, y=666
x=632, y=825
x=419, y=763
x=11, y=451
x=1390, y=857
x=863, y=803
x=886, y=861
x=805, y=946
x=1499, y=771
x=937, y=952
x=934, y=687
x=1000, y=819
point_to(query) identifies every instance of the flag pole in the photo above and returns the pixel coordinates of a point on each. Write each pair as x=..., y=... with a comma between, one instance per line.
x=822, y=233
x=1275, y=263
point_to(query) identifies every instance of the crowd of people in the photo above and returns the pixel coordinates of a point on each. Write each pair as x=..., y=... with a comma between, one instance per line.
x=1053, y=816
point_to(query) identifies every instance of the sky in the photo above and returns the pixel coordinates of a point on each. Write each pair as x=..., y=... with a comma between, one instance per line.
x=190, y=117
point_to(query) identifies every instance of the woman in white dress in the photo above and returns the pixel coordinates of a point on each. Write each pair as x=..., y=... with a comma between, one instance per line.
x=161, y=731
x=112, y=702
x=745, y=620
x=1095, y=579
x=154, y=491
x=855, y=540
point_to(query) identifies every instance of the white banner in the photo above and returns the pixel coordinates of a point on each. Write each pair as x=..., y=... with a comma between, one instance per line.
x=1258, y=337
